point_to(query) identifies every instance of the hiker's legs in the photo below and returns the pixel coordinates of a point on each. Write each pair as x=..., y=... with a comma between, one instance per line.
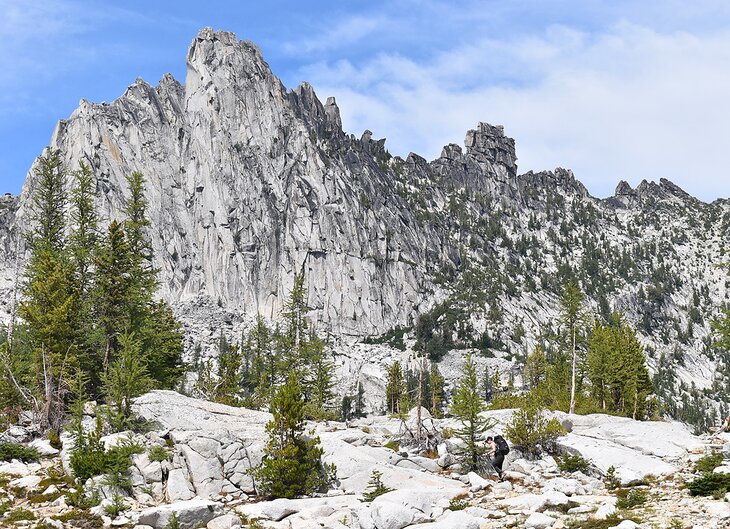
x=497, y=463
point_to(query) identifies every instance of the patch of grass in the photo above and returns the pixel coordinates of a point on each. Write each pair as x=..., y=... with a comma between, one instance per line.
x=393, y=445
x=570, y=463
x=81, y=519
x=4, y=507
x=447, y=433
x=708, y=463
x=631, y=498
x=10, y=451
x=610, y=521
x=18, y=515
x=55, y=439
x=44, y=498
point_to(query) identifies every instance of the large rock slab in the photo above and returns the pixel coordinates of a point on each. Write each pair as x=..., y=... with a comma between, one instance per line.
x=190, y=514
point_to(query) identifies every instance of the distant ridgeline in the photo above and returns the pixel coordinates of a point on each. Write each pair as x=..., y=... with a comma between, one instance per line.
x=250, y=184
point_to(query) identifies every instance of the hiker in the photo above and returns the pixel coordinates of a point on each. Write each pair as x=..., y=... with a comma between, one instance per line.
x=498, y=448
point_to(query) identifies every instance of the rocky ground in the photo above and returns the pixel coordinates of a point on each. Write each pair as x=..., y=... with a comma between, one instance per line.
x=207, y=449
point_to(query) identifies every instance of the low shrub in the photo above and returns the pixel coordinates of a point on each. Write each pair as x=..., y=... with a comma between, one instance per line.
x=10, y=451
x=116, y=507
x=158, y=453
x=532, y=429
x=82, y=499
x=630, y=498
x=458, y=504
x=710, y=484
x=55, y=439
x=708, y=463
x=376, y=486
x=393, y=445
x=18, y=515
x=570, y=463
x=79, y=519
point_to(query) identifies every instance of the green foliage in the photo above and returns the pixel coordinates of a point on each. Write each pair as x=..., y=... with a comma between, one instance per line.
x=611, y=479
x=393, y=445
x=710, y=484
x=458, y=504
x=292, y=465
x=467, y=407
x=125, y=379
x=116, y=507
x=158, y=453
x=572, y=463
x=18, y=515
x=10, y=451
x=89, y=458
x=375, y=486
x=531, y=428
x=80, y=519
x=173, y=522
x=395, y=389
x=616, y=366
x=631, y=498
x=709, y=462
x=82, y=499
x=54, y=439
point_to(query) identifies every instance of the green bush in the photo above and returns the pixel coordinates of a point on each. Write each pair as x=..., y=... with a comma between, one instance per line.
x=158, y=453
x=531, y=429
x=630, y=498
x=393, y=445
x=26, y=454
x=570, y=463
x=92, y=459
x=710, y=484
x=116, y=507
x=458, y=504
x=708, y=463
x=80, y=519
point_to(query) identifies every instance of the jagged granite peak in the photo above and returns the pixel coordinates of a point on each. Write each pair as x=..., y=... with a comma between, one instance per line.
x=250, y=183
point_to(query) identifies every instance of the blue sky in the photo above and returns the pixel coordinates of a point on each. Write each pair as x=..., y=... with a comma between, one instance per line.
x=613, y=90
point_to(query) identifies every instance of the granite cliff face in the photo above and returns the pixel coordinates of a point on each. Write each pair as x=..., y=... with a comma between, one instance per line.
x=250, y=183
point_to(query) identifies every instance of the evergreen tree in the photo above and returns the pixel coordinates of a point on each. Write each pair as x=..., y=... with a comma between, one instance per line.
x=395, y=388
x=125, y=379
x=320, y=380
x=229, y=383
x=292, y=465
x=573, y=317
x=48, y=294
x=264, y=372
x=82, y=247
x=467, y=407
x=436, y=391
x=536, y=368
x=360, y=401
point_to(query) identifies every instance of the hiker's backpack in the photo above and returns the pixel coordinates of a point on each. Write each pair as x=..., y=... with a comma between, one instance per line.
x=502, y=445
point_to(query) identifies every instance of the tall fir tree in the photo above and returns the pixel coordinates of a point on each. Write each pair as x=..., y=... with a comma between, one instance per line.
x=467, y=407
x=48, y=301
x=395, y=388
x=292, y=465
x=573, y=316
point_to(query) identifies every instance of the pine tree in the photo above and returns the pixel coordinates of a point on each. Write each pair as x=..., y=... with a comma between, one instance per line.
x=467, y=407
x=536, y=368
x=573, y=317
x=125, y=379
x=320, y=381
x=437, y=391
x=48, y=293
x=359, y=410
x=229, y=383
x=395, y=388
x=82, y=248
x=599, y=361
x=292, y=465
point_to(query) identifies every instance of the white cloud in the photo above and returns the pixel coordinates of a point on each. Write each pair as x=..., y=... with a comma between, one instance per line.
x=628, y=102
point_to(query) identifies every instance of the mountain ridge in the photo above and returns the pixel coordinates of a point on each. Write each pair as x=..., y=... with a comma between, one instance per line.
x=250, y=183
